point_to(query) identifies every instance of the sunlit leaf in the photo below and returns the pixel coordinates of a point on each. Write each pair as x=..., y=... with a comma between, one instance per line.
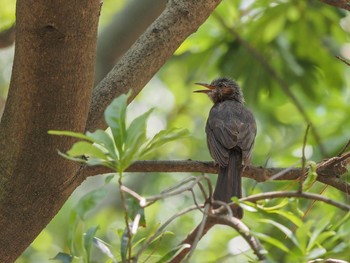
x=71, y=134
x=115, y=118
x=86, y=148
x=135, y=137
x=163, y=137
x=102, y=137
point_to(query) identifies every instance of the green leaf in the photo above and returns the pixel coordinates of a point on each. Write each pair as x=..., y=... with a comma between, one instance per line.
x=272, y=241
x=138, y=242
x=316, y=253
x=135, y=137
x=73, y=223
x=124, y=244
x=63, y=257
x=173, y=253
x=79, y=159
x=163, y=137
x=161, y=235
x=71, y=134
x=86, y=148
x=88, y=240
x=311, y=176
x=288, y=215
x=283, y=228
x=133, y=206
x=276, y=207
x=115, y=118
x=102, y=137
x=89, y=202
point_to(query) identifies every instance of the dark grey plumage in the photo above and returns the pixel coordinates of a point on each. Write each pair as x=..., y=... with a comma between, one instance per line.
x=231, y=131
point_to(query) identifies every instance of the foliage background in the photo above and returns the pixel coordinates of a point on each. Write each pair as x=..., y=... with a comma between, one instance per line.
x=298, y=40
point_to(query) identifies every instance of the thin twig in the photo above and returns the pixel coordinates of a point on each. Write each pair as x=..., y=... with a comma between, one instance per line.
x=177, y=189
x=244, y=231
x=126, y=215
x=281, y=194
x=162, y=227
x=200, y=232
x=344, y=149
x=191, y=237
x=303, y=160
x=343, y=60
x=344, y=4
x=278, y=175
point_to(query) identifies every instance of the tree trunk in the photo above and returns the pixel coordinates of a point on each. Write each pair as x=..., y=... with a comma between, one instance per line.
x=50, y=88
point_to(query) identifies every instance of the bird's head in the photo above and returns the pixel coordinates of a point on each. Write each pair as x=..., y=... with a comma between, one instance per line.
x=222, y=89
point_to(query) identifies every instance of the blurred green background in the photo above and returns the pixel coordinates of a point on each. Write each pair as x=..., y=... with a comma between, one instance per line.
x=283, y=54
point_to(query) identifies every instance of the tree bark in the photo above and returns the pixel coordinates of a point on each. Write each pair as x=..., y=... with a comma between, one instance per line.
x=149, y=53
x=50, y=88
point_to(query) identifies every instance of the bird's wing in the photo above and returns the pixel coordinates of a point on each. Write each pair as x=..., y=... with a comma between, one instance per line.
x=229, y=125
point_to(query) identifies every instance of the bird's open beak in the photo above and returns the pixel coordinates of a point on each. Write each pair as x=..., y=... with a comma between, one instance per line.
x=209, y=88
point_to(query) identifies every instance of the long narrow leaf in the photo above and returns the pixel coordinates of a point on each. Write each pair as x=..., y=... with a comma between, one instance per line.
x=135, y=138
x=70, y=134
x=124, y=245
x=163, y=137
x=88, y=240
x=103, y=247
x=86, y=148
x=103, y=138
x=115, y=118
x=172, y=253
x=272, y=241
x=283, y=228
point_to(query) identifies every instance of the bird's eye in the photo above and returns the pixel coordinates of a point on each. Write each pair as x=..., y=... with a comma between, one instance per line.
x=220, y=85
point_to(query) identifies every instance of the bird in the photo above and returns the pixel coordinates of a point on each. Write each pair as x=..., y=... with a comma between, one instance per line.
x=231, y=130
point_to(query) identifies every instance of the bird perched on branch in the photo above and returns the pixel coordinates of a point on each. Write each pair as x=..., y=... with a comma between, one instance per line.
x=231, y=130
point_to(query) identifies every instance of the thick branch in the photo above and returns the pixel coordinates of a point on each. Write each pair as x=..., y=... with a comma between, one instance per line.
x=179, y=19
x=126, y=26
x=51, y=86
x=328, y=170
x=338, y=3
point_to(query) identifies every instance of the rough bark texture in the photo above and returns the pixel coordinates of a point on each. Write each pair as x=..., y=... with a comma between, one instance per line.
x=179, y=19
x=50, y=88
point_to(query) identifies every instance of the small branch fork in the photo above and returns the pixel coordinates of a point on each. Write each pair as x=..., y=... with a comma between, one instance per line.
x=218, y=216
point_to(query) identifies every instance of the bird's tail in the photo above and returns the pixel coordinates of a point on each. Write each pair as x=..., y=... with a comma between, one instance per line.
x=229, y=181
